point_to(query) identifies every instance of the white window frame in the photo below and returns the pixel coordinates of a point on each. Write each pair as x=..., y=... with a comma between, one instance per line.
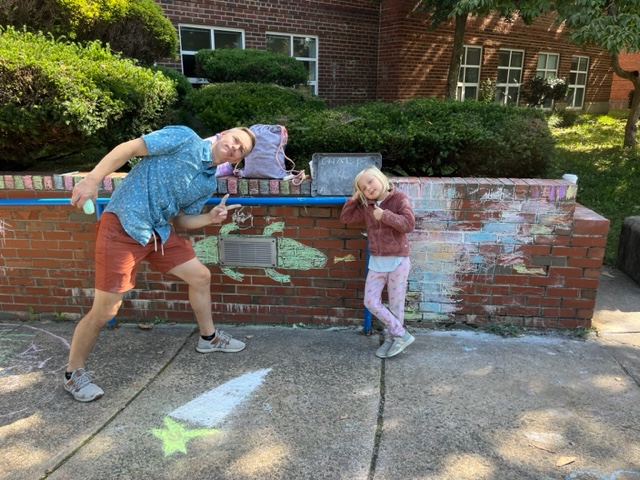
x=571, y=98
x=312, y=84
x=509, y=86
x=545, y=71
x=464, y=66
x=212, y=31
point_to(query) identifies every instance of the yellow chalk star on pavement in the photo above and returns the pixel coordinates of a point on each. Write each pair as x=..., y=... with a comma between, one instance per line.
x=175, y=436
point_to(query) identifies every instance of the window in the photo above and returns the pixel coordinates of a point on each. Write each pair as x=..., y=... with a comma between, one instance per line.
x=509, y=76
x=547, y=65
x=193, y=38
x=469, y=78
x=303, y=49
x=547, y=68
x=577, y=81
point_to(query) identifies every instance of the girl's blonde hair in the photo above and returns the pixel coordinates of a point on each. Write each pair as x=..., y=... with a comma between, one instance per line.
x=373, y=170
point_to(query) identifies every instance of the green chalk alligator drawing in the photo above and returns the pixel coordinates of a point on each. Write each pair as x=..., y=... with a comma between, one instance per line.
x=290, y=253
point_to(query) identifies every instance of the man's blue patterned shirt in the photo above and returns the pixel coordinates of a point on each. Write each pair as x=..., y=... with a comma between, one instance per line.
x=176, y=175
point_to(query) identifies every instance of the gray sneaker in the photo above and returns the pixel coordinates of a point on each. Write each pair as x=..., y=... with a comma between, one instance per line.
x=383, y=349
x=399, y=344
x=81, y=386
x=222, y=342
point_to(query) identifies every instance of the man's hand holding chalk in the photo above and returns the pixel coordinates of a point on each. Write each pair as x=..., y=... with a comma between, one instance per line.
x=218, y=214
x=82, y=196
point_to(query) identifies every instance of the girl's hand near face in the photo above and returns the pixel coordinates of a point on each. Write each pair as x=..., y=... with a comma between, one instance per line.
x=377, y=212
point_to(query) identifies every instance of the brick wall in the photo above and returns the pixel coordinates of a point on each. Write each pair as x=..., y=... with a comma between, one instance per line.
x=347, y=31
x=414, y=60
x=385, y=50
x=484, y=250
x=621, y=87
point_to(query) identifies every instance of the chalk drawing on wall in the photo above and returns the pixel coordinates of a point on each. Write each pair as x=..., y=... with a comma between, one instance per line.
x=291, y=254
x=440, y=256
x=207, y=412
x=4, y=227
x=30, y=369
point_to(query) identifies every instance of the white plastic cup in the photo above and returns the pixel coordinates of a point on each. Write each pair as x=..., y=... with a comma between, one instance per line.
x=570, y=177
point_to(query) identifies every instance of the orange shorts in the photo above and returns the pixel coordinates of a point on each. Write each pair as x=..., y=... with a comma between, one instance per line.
x=118, y=256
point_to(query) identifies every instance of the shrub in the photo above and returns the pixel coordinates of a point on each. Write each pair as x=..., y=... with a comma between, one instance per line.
x=540, y=90
x=221, y=106
x=429, y=137
x=250, y=66
x=143, y=33
x=181, y=82
x=59, y=98
x=136, y=28
x=564, y=118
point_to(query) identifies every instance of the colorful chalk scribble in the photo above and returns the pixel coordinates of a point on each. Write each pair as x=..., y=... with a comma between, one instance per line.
x=444, y=247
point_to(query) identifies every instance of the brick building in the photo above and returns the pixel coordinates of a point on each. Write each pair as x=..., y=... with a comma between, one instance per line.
x=364, y=50
x=620, y=87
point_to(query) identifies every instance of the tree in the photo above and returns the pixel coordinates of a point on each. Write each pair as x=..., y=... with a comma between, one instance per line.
x=443, y=10
x=613, y=25
x=136, y=28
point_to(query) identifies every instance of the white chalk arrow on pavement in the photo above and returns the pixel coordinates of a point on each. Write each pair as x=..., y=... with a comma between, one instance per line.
x=210, y=408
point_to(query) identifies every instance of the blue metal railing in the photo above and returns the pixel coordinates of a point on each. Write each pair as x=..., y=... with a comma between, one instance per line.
x=100, y=204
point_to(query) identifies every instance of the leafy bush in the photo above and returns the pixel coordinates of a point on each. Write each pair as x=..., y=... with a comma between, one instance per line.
x=564, y=118
x=142, y=32
x=57, y=99
x=181, y=82
x=250, y=66
x=540, y=90
x=136, y=28
x=218, y=107
x=430, y=137
x=487, y=93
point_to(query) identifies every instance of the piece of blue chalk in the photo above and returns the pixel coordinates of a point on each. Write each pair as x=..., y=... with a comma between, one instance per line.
x=88, y=207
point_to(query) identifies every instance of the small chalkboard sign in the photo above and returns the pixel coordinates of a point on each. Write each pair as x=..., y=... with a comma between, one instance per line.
x=333, y=173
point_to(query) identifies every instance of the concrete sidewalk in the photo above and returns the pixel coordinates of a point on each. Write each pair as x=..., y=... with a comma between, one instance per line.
x=317, y=404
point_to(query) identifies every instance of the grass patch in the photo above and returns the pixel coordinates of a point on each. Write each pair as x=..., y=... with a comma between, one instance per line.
x=504, y=329
x=608, y=174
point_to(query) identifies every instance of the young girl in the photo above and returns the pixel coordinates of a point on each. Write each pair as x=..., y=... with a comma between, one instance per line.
x=388, y=217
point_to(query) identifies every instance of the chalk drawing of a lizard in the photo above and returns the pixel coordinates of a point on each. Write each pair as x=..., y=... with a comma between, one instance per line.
x=290, y=253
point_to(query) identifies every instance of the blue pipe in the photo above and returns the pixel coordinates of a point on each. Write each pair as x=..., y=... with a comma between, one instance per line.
x=253, y=201
x=244, y=201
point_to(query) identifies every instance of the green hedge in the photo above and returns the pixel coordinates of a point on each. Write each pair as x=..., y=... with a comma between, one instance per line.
x=57, y=99
x=250, y=66
x=217, y=107
x=420, y=137
x=430, y=137
x=135, y=28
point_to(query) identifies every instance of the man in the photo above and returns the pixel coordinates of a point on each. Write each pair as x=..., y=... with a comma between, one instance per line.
x=171, y=182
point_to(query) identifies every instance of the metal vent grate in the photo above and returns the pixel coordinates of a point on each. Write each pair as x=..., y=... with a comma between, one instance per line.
x=248, y=251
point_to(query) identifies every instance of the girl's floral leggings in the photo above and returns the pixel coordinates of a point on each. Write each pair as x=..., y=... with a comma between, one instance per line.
x=396, y=282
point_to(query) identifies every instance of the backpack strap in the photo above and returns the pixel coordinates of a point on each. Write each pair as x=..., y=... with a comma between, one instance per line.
x=296, y=176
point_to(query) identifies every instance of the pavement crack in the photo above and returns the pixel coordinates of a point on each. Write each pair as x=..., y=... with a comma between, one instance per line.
x=108, y=422
x=379, y=424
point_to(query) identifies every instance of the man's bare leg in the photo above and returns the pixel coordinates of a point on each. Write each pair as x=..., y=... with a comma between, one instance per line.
x=105, y=307
x=78, y=382
x=199, y=279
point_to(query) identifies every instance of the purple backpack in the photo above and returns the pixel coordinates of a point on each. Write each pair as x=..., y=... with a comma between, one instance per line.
x=267, y=159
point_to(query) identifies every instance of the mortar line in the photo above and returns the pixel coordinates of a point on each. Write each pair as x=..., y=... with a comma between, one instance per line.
x=108, y=422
